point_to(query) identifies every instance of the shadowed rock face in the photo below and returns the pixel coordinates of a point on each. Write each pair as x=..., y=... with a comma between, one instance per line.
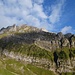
x=68, y=35
x=28, y=34
x=60, y=35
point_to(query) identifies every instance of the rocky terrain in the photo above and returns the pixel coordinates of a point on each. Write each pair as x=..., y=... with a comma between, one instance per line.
x=53, y=52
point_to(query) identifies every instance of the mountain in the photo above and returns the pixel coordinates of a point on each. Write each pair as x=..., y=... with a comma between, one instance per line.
x=28, y=50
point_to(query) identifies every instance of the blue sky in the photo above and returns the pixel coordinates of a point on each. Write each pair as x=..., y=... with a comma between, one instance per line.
x=53, y=15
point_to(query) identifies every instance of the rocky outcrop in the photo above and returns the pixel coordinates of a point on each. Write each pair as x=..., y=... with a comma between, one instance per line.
x=8, y=29
x=45, y=63
x=72, y=41
x=60, y=35
x=65, y=42
x=46, y=40
x=62, y=65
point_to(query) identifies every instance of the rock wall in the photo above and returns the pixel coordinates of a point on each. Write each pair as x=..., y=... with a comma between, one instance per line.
x=63, y=65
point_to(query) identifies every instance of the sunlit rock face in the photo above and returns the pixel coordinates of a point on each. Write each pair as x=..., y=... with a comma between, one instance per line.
x=43, y=29
x=72, y=41
x=65, y=42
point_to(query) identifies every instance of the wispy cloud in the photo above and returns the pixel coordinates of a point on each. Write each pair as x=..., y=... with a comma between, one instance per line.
x=38, y=1
x=67, y=29
x=56, y=12
x=21, y=11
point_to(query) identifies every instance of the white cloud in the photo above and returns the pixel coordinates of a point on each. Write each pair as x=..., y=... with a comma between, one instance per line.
x=25, y=3
x=56, y=12
x=38, y=1
x=11, y=1
x=66, y=29
x=38, y=9
x=29, y=12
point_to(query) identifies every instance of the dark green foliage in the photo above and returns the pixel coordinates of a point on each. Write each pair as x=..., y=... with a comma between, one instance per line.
x=68, y=73
x=29, y=50
x=72, y=53
x=62, y=55
x=65, y=53
x=38, y=52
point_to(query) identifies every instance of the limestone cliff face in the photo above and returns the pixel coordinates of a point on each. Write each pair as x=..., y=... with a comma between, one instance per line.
x=72, y=41
x=61, y=66
x=56, y=43
x=17, y=36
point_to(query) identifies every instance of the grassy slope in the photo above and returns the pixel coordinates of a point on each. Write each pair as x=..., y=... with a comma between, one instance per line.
x=30, y=50
x=13, y=67
x=69, y=73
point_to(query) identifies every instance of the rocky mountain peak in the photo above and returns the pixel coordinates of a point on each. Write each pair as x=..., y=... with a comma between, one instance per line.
x=39, y=47
x=60, y=35
x=8, y=29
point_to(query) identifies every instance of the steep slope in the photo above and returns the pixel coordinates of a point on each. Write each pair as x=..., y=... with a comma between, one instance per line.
x=10, y=66
x=49, y=51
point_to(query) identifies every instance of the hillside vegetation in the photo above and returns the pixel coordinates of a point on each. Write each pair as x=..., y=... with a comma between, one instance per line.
x=10, y=66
